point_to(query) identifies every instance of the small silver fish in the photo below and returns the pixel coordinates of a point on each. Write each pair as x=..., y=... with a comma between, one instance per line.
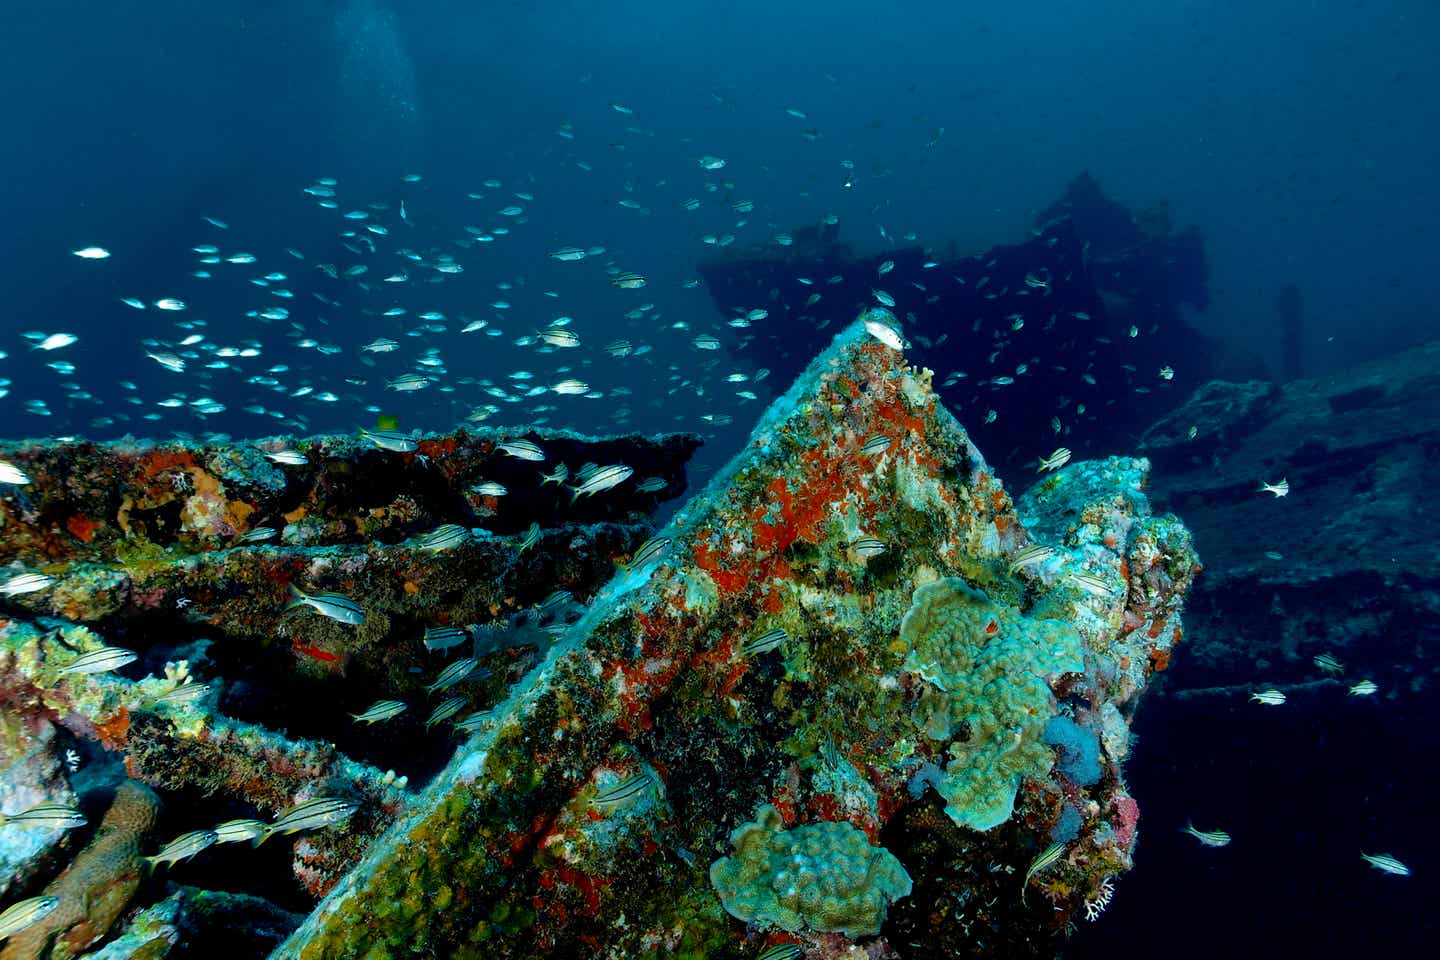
x=23, y=583
x=554, y=602
x=11, y=474
x=26, y=913
x=256, y=535
x=444, y=537
x=629, y=281
x=867, y=547
x=335, y=606
x=1329, y=663
x=408, y=382
x=559, y=475
x=289, y=458
x=312, y=814
x=522, y=450
x=474, y=721
x=880, y=324
x=393, y=440
x=1209, y=838
x=531, y=537
x=453, y=674
x=381, y=710
x=187, y=692
x=446, y=709
x=54, y=816
x=1031, y=555
x=1281, y=489
x=1271, y=698
x=1386, y=864
x=651, y=485
x=876, y=445
x=1050, y=855
x=623, y=793
x=651, y=549
x=560, y=337
x=1095, y=586
x=443, y=638
x=1055, y=461
x=602, y=479
x=183, y=847
x=765, y=642
x=1364, y=688
x=100, y=661
x=489, y=488
x=234, y=831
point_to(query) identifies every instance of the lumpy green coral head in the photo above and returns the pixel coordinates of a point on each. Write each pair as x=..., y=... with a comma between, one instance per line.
x=824, y=877
x=985, y=665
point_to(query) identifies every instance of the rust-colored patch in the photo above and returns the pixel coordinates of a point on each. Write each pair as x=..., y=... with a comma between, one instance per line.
x=112, y=732
x=82, y=527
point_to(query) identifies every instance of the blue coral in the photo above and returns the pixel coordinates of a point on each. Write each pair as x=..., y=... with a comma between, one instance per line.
x=1078, y=757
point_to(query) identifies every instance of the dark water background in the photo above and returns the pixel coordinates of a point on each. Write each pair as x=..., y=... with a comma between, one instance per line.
x=1303, y=138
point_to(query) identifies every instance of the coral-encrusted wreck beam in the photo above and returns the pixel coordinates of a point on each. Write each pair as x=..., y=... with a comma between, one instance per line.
x=187, y=745
x=849, y=693
x=131, y=501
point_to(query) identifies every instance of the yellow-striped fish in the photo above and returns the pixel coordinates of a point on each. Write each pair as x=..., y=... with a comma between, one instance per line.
x=1210, y=838
x=26, y=913
x=1051, y=854
x=1034, y=554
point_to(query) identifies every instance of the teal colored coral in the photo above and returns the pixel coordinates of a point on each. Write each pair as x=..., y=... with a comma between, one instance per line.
x=986, y=665
x=824, y=877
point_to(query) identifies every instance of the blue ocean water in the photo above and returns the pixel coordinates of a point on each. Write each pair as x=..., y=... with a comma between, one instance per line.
x=1300, y=138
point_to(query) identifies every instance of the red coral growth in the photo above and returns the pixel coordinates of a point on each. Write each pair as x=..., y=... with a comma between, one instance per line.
x=82, y=527
x=1159, y=659
x=438, y=447
x=112, y=732
x=157, y=462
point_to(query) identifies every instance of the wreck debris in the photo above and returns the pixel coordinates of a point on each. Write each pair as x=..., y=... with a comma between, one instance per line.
x=826, y=730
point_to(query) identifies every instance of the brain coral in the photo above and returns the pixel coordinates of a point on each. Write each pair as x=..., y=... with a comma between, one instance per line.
x=986, y=666
x=824, y=876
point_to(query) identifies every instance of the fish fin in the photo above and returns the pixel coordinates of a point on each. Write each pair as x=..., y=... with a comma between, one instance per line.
x=297, y=598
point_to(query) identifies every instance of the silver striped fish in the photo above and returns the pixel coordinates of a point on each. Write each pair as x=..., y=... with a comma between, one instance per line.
x=58, y=816
x=183, y=847
x=623, y=793
x=380, y=710
x=1030, y=556
x=313, y=813
x=446, y=709
x=765, y=642
x=26, y=913
x=336, y=606
x=100, y=661
x=453, y=674
x=444, y=537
